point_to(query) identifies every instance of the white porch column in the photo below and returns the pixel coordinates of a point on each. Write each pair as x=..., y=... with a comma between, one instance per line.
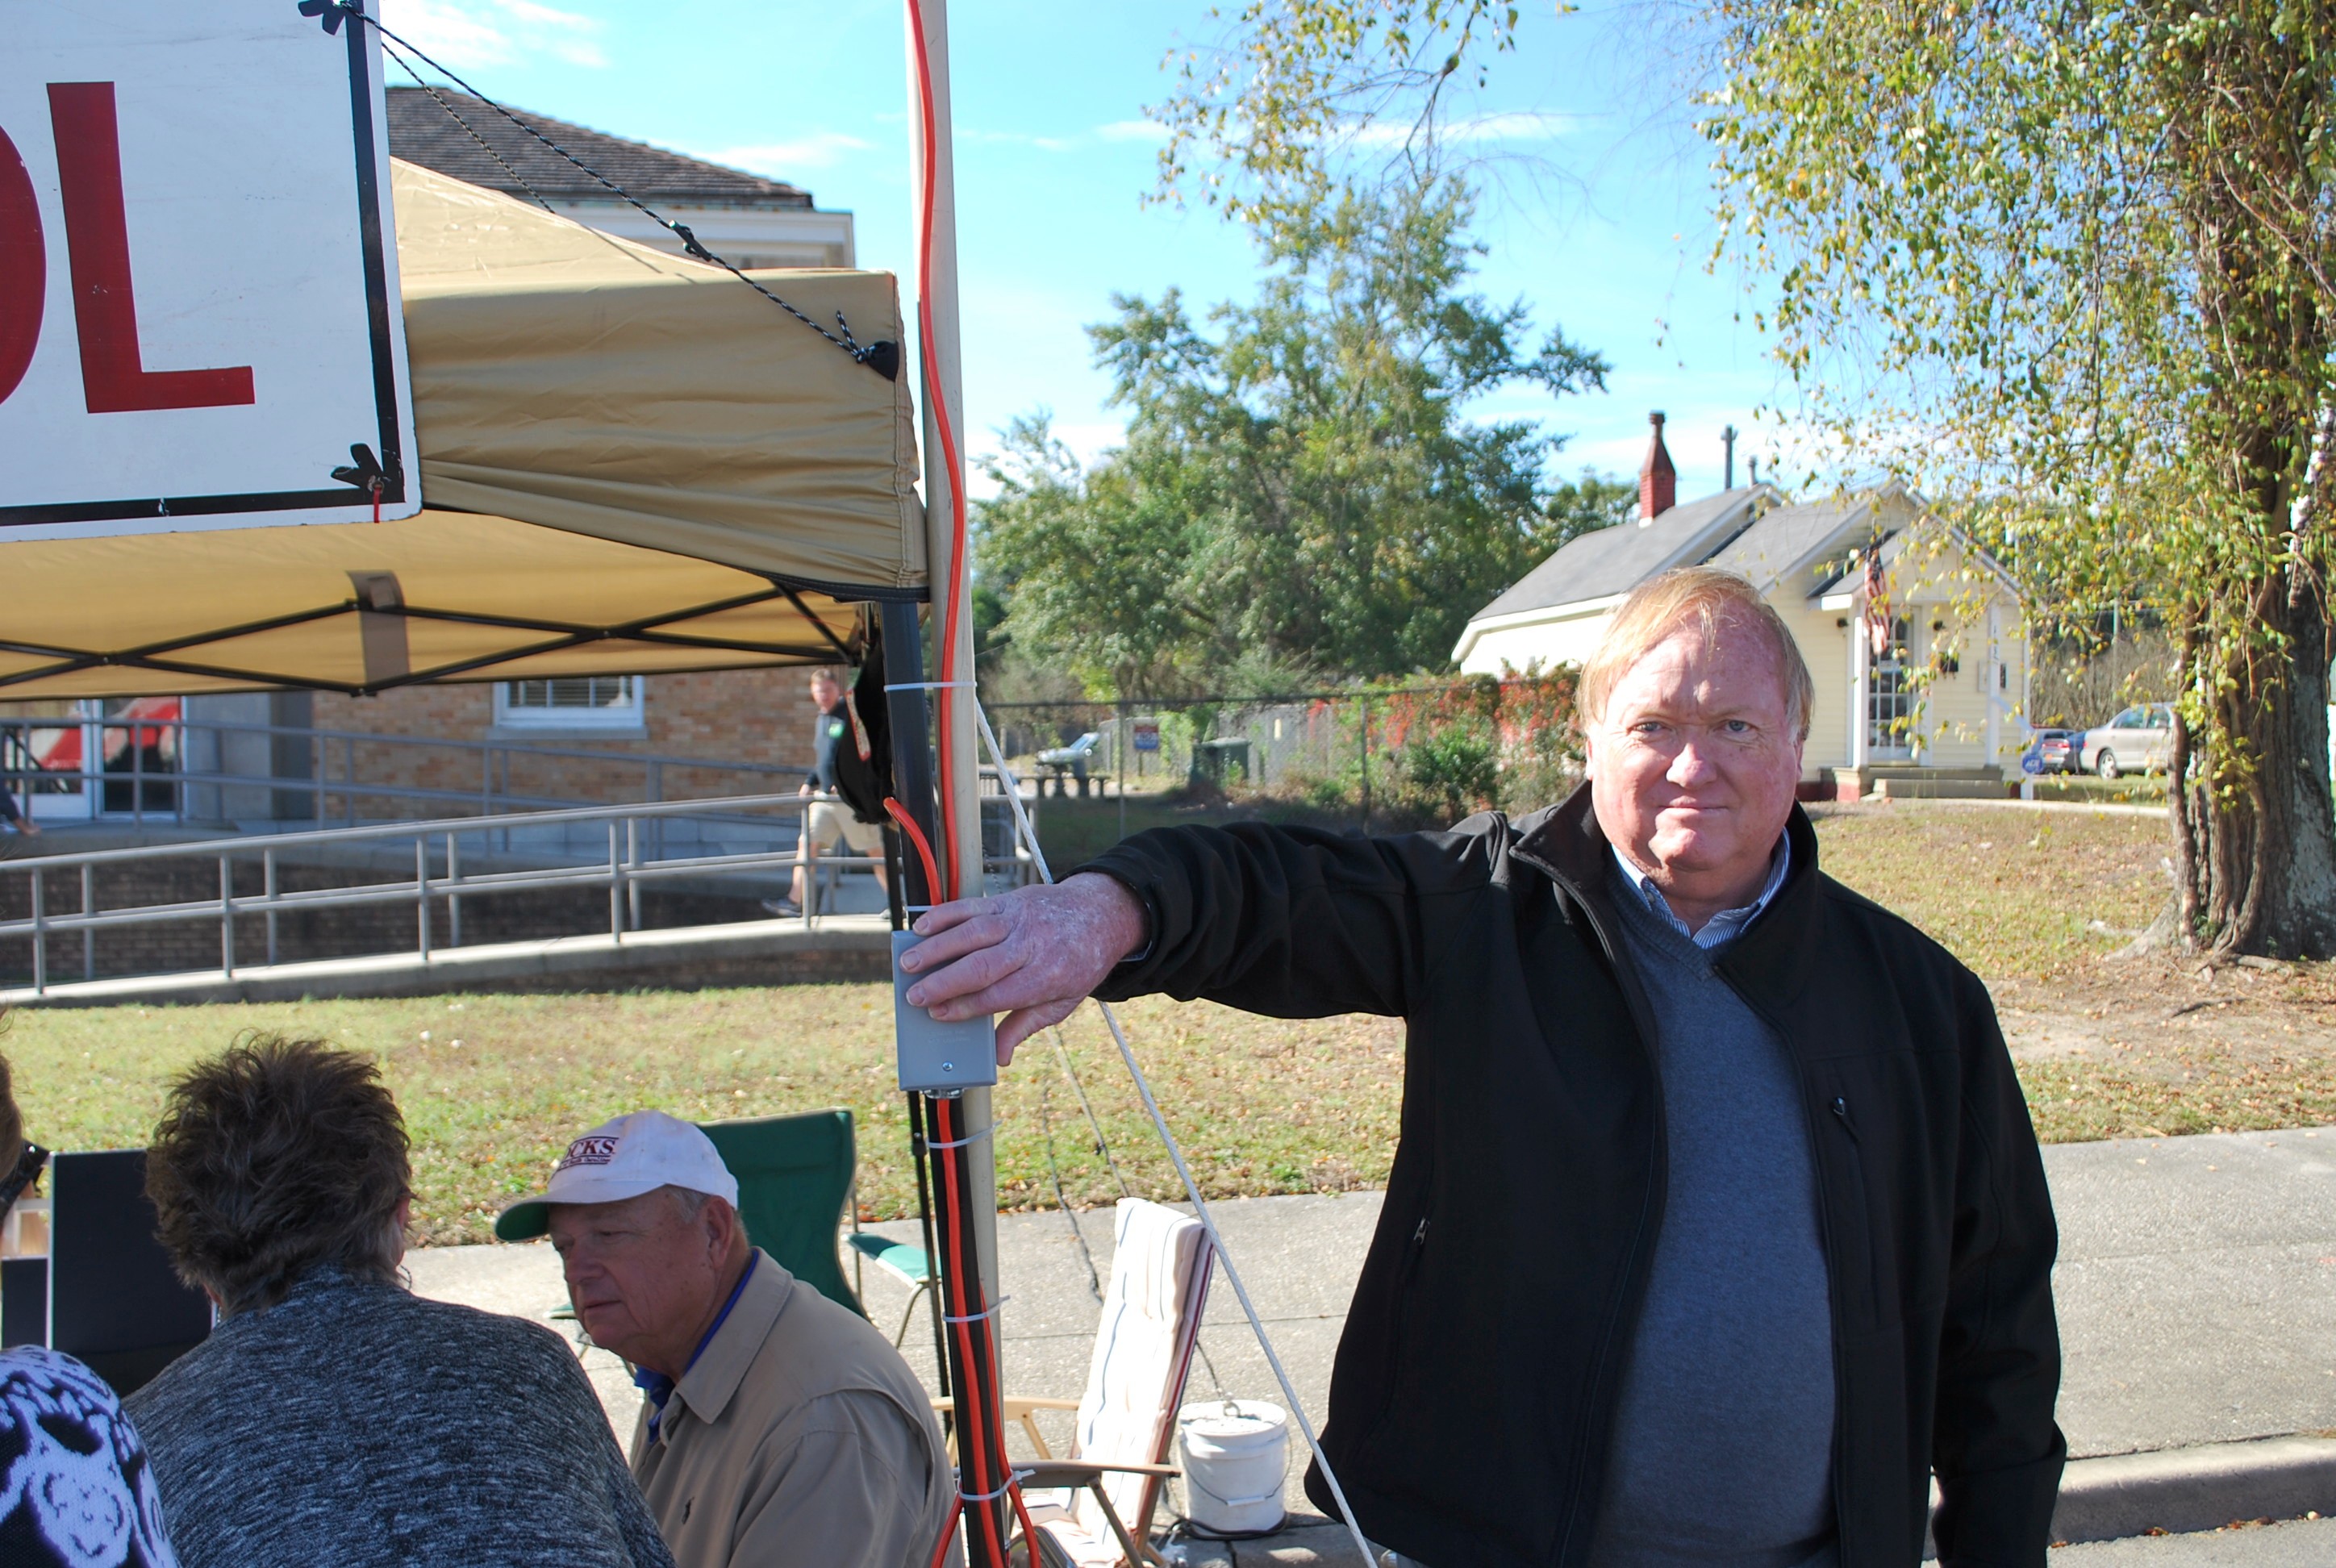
x=1861, y=665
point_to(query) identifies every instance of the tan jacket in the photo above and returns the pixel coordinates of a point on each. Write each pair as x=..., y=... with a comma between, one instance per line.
x=798, y=1439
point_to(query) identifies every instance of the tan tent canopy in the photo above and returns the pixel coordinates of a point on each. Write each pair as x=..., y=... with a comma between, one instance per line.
x=630, y=463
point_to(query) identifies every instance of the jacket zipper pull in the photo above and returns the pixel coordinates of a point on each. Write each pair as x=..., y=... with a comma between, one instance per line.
x=1840, y=1110
x=1419, y=1237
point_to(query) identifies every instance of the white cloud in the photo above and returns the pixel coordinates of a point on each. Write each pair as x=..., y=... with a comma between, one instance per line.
x=1514, y=126
x=467, y=34
x=1150, y=131
x=782, y=160
x=1015, y=139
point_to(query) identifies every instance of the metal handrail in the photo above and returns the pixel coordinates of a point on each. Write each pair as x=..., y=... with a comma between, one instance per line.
x=623, y=872
x=397, y=830
x=199, y=780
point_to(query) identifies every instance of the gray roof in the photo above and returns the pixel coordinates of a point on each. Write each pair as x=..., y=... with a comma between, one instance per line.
x=1718, y=531
x=421, y=130
x=1616, y=560
x=1789, y=536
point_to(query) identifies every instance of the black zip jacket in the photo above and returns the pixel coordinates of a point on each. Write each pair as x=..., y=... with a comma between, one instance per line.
x=1475, y=1385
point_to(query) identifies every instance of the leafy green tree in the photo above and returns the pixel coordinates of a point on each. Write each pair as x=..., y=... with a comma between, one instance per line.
x=1273, y=123
x=1585, y=504
x=1299, y=484
x=1089, y=568
x=2072, y=262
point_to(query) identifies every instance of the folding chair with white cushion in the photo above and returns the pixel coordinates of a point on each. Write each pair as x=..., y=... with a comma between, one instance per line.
x=1096, y=1505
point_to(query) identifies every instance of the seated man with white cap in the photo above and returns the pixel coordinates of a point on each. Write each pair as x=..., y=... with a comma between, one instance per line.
x=779, y=1427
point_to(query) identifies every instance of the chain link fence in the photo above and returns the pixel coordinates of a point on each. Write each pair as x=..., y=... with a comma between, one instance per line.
x=1380, y=759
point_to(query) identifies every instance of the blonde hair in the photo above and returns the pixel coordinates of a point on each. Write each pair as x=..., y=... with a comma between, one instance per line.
x=1711, y=599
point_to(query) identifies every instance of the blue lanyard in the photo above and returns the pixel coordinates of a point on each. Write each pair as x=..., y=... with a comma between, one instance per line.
x=657, y=1385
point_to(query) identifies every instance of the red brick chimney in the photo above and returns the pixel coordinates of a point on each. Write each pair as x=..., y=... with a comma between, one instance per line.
x=1657, y=480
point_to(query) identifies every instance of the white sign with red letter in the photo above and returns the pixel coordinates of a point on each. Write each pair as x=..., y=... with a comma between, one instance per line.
x=199, y=308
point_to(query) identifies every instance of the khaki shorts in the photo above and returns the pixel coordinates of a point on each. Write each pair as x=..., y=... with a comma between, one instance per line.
x=830, y=820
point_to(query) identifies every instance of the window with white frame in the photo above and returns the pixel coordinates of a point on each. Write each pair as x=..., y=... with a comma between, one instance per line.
x=571, y=702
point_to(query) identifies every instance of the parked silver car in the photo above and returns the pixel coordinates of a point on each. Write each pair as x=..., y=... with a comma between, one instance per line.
x=2139, y=739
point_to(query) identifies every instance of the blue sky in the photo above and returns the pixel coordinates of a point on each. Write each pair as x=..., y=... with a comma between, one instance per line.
x=1596, y=216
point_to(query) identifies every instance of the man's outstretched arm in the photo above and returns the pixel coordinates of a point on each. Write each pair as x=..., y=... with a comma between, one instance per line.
x=1294, y=922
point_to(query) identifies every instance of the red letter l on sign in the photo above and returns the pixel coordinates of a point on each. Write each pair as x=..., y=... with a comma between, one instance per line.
x=115, y=379
x=24, y=268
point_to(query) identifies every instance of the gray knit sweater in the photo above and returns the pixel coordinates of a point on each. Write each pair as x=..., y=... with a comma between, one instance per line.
x=357, y=1424
x=1723, y=1443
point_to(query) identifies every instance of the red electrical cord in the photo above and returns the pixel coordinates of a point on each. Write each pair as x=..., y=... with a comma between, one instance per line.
x=972, y=1403
x=951, y=1236
x=973, y=1407
x=941, y=1547
x=946, y=431
x=916, y=836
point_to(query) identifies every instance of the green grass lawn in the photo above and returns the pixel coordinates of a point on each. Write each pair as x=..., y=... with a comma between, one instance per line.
x=494, y=1086
x=2012, y=893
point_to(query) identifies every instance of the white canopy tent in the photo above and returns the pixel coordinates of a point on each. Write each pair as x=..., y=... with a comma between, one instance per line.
x=629, y=461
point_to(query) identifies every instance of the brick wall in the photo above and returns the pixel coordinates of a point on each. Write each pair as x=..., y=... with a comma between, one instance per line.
x=743, y=715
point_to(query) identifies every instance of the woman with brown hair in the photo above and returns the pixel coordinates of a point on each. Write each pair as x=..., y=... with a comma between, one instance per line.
x=333, y=1416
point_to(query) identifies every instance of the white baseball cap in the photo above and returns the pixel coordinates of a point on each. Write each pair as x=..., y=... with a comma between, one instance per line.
x=622, y=1159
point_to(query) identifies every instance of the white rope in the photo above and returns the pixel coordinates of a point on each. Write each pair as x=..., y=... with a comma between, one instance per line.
x=1013, y=1479
x=977, y=1317
x=1176, y=1157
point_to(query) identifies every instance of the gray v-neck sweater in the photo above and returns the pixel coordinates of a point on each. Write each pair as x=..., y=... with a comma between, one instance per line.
x=1723, y=1441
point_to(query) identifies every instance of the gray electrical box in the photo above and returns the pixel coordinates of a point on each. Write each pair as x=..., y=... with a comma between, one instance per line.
x=937, y=1058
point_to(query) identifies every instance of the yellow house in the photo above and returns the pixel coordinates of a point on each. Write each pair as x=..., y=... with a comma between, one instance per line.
x=1915, y=638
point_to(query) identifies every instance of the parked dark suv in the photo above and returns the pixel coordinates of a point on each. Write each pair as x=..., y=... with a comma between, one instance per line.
x=2055, y=751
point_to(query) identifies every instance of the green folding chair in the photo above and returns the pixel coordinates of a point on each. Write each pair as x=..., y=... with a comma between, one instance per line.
x=905, y=1264
x=795, y=1184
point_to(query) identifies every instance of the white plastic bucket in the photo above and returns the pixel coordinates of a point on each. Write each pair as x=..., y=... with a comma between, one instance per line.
x=1236, y=1455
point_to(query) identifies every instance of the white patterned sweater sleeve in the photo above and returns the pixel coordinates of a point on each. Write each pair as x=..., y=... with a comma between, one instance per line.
x=75, y=1489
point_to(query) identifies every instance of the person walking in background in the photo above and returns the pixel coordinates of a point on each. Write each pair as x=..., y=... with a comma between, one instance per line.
x=76, y=1490
x=779, y=1429
x=333, y=1416
x=827, y=819
x=1718, y=1226
x=14, y=815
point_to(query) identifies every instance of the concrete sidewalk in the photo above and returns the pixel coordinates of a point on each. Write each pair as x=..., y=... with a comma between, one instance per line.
x=2197, y=1291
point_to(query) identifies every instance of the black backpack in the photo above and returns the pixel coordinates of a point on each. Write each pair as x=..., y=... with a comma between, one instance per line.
x=863, y=770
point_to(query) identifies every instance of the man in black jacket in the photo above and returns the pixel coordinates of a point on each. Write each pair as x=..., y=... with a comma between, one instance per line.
x=1717, y=1227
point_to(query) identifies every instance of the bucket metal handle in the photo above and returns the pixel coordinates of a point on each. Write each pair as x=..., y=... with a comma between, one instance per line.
x=1280, y=1481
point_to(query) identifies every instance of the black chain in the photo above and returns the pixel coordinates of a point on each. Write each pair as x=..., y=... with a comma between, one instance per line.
x=881, y=357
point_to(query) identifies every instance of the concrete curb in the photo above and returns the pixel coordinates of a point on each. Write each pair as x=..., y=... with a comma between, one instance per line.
x=2175, y=1490
x=2184, y=1489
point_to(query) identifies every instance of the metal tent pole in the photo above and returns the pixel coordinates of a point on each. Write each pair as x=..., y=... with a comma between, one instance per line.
x=943, y=384
x=967, y=1172
x=910, y=724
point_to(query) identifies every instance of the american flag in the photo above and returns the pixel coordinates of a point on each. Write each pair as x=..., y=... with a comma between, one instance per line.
x=1877, y=601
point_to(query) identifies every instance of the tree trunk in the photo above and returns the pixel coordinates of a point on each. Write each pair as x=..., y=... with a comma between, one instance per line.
x=2255, y=857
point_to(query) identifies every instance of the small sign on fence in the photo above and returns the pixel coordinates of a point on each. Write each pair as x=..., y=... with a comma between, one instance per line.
x=1146, y=733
